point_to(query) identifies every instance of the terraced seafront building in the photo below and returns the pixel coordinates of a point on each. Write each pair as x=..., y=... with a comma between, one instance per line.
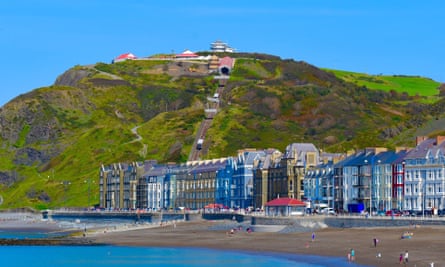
x=199, y=183
x=370, y=177
x=425, y=176
x=375, y=179
x=242, y=186
x=192, y=185
x=382, y=180
x=282, y=175
x=247, y=181
x=118, y=184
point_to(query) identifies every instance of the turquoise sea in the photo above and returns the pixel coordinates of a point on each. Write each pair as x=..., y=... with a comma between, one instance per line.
x=98, y=256
x=95, y=256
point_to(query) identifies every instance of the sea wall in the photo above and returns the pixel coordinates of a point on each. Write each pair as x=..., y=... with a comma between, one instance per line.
x=130, y=216
x=316, y=221
x=293, y=223
x=349, y=222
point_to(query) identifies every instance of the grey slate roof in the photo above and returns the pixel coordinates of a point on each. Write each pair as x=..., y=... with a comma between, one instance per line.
x=421, y=150
x=299, y=148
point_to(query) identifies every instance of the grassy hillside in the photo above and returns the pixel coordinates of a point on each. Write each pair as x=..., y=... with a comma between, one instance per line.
x=411, y=85
x=54, y=139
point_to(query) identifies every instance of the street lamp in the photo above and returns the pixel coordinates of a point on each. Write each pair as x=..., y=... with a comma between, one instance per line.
x=401, y=192
x=423, y=177
x=371, y=175
x=370, y=187
x=379, y=176
x=88, y=180
x=65, y=187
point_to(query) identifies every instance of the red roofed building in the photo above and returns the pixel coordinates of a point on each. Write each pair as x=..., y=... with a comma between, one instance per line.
x=125, y=56
x=187, y=54
x=214, y=207
x=285, y=207
x=225, y=65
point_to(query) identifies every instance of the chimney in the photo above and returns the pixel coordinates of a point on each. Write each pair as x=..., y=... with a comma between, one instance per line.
x=402, y=148
x=420, y=139
x=439, y=139
x=375, y=150
x=350, y=152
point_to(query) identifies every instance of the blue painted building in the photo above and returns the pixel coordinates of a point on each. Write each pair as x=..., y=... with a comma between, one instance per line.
x=241, y=188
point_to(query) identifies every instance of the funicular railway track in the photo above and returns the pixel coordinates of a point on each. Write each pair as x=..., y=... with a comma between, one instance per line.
x=199, y=145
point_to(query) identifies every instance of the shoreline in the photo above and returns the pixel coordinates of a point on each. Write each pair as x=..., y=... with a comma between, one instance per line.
x=425, y=246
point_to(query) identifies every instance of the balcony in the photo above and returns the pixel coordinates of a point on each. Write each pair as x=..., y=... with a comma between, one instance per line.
x=361, y=185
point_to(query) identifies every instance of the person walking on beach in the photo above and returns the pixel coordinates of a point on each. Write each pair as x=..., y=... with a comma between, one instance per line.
x=352, y=254
x=313, y=236
x=406, y=257
x=401, y=258
x=375, y=241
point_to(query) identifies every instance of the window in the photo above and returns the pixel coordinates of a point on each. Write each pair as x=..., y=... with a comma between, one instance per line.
x=311, y=159
x=399, y=179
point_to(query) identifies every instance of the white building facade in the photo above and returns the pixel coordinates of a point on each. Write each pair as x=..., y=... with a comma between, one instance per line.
x=425, y=176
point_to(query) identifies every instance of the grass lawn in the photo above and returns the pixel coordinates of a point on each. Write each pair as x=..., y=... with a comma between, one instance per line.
x=413, y=85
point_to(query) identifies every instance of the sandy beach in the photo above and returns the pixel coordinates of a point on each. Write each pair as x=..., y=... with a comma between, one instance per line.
x=26, y=222
x=425, y=246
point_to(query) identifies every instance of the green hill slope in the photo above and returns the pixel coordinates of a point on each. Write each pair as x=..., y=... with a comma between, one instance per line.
x=411, y=85
x=54, y=139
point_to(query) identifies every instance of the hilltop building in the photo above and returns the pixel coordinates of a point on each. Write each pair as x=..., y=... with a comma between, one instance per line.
x=226, y=65
x=187, y=54
x=213, y=63
x=219, y=46
x=123, y=57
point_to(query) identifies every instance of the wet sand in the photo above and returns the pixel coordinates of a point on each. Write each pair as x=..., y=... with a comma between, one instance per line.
x=426, y=245
x=26, y=222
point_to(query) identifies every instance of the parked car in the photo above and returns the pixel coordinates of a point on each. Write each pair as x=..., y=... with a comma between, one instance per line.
x=411, y=213
x=328, y=211
x=393, y=213
x=381, y=213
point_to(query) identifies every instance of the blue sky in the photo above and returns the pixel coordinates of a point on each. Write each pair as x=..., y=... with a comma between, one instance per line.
x=40, y=39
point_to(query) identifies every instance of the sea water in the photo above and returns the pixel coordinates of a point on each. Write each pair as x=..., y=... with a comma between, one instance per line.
x=98, y=256
x=95, y=256
x=29, y=234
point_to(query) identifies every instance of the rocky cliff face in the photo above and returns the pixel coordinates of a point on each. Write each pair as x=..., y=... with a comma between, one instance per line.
x=72, y=77
x=31, y=124
x=26, y=121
